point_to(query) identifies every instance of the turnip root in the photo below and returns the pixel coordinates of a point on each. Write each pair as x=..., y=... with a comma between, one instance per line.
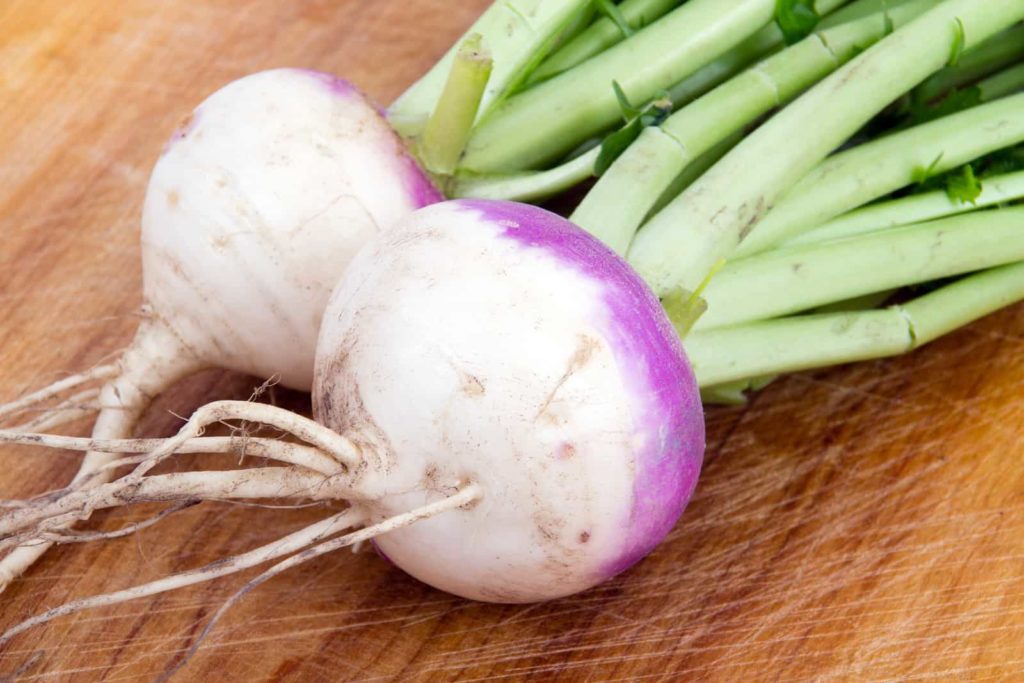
x=531, y=410
x=254, y=209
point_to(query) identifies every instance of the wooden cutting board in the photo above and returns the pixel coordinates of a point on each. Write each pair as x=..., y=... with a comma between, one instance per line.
x=859, y=523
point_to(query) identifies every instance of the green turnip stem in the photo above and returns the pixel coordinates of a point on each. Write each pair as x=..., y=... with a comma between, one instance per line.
x=996, y=53
x=771, y=347
x=449, y=126
x=527, y=186
x=767, y=40
x=1006, y=82
x=913, y=209
x=614, y=209
x=599, y=36
x=683, y=242
x=734, y=393
x=575, y=26
x=857, y=303
x=761, y=43
x=535, y=185
x=855, y=177
x=856, y=10
x=695, y=169
x=517, y=34
x=545, y=122
x=798, y=278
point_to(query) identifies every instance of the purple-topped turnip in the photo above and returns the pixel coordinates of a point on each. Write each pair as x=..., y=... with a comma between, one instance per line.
x=536, y=365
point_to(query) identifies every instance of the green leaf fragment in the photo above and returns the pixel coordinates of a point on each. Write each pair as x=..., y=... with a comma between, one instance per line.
x=636, y=120
x=683, y=308
x=887, y=24
x=796, y=19
x=612, y=11
x=958, y=43
x=615, y=144
x=963, y=186
x=627, y=108
x=923, y=175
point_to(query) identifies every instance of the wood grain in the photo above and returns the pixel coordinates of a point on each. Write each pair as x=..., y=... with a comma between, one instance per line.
x=865, y=522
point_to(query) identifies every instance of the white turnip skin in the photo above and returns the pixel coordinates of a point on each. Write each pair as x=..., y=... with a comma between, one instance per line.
x=498, y=345
x=256, y=206
x=253, y=211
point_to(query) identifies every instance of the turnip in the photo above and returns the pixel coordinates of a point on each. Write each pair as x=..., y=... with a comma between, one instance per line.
x=539, y=388
x=542, y=370
x=253, y=210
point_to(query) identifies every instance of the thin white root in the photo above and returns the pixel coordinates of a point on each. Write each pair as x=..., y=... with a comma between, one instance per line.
x=283, y=546
x=466, y=496
x=260, y=482
x=72, y=408
x=273, y=449
x=72, y=536
x=154, y=360
x=100, y=372
x=326, y=440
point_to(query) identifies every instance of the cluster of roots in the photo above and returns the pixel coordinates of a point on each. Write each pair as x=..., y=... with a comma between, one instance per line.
x=312, y=464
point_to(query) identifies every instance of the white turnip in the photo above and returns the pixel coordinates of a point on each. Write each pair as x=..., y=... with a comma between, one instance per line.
x=254, y=209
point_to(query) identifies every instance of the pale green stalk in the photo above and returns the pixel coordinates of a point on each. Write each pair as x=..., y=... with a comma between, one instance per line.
x=733, y=393
x=762, y=43
x=858, y=10
x=625, y=194
x=546, y=121
x=772, y=347
x=695, y=169
x=996, y=53
x=517, y=34
x=1006, y=82
x=913, y=209
x=683, y=242
x=448, y=128
x=528, y=186
x=599, y=36
x=577, y=25
x=535, y=185
x=871, y=170
x=799, y=278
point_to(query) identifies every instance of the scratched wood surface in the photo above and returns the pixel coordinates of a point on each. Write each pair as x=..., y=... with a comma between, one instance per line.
x=864, y=522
